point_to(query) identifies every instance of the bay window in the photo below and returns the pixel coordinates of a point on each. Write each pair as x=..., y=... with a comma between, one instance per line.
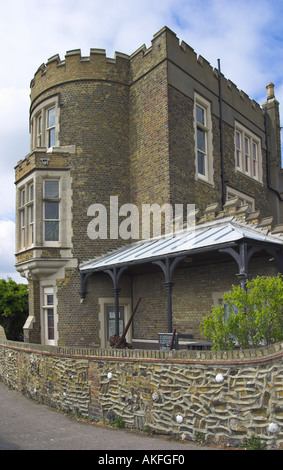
x=26, y=216
x=51, y=206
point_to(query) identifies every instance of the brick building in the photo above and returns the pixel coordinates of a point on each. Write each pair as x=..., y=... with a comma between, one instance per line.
x=160, y=126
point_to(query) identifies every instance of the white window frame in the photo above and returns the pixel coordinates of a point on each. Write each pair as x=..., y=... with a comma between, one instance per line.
x=52, y=200
x=37, y=226
x=40, y=129
x=206, y=128
x=105, y=302
x=248, y=157
x=46, y=307
x=26, y=216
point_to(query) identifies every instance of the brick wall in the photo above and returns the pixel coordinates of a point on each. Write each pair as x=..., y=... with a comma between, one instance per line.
x=148, y=389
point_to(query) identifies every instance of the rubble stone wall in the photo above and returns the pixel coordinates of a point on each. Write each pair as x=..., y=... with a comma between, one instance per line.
x=222, y=397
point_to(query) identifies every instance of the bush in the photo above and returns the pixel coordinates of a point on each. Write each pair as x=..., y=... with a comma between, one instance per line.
x=13, y=308
x=247, y=318
x=253, y=443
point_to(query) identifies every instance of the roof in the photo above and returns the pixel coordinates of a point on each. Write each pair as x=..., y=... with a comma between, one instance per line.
x=199, y=238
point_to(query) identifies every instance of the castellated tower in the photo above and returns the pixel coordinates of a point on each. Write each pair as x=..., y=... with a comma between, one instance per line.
x=79, y=121
x=144, y=128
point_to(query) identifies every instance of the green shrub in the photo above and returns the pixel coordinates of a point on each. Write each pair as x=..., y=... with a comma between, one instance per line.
x=253, y=443
x=248, y=318
x=117, y=422
x=13, y=308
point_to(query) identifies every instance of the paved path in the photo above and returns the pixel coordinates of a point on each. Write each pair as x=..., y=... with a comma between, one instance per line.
x=26, y=425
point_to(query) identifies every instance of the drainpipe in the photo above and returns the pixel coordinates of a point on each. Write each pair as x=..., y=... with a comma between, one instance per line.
x=221, y=136
x=267, y=159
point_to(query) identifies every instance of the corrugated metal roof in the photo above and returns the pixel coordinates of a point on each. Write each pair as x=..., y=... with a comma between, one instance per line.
x=183, y=242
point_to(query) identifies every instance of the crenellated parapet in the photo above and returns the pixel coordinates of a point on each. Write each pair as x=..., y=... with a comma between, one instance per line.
x=126, y=69
x=39, y=159
x=183, y=61
x=75, y=67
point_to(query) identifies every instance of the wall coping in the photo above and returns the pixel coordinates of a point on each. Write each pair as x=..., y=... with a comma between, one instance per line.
x=240, y=356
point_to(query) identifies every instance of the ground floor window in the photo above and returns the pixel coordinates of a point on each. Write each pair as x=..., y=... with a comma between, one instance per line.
x=107, y=319
x=48, y=311
x=110, y=318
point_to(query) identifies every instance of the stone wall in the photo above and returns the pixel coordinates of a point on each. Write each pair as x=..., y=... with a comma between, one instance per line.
x=222, y=396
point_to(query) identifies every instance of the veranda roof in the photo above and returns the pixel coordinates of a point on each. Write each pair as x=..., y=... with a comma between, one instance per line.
x=200, y=238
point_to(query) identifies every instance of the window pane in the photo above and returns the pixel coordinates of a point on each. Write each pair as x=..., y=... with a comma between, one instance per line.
x=51, y=210
x=51, y=189
x=201, y=140
x=51, y=137
x=23, y=237
x=247, y=163
x=31, y=217
x=110, y=310
x=49, y=299
x=201, y=163
x=238, y=158
x=200, y=115
x=247, y=146
x=50, y=323
x=39, y=125
x=23, y=218
x=254, y=151
x=31, y=192
x=23, y=197
x=51, y=117
x=52, y=231
x=31, y=236
x=238, y=140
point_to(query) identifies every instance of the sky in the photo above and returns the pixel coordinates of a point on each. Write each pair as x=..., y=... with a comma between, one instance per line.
x=247, y=37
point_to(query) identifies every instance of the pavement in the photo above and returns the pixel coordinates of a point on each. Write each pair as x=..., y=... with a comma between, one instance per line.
x=27, y=425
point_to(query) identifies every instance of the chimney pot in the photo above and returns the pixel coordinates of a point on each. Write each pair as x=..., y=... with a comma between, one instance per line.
x=270, y=91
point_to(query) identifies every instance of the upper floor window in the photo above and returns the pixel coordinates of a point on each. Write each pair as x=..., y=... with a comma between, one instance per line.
x=203, y=139
x=45, y=124
x=51, y=206
x=26, y=216
x=44, y=215
x=248, y=153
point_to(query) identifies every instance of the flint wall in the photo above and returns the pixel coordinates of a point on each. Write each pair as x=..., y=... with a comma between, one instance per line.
x=149, y=389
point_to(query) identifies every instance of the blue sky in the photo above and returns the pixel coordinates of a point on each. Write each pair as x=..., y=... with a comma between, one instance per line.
x=247, y=36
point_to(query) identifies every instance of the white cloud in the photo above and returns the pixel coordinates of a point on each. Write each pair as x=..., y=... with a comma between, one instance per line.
x=7, y=248
x=14, y=109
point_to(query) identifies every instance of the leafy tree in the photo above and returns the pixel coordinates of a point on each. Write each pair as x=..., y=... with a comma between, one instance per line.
x=247, y=318
x=13, y=308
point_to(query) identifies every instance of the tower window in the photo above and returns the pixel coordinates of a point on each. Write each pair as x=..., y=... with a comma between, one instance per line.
x=45, y=124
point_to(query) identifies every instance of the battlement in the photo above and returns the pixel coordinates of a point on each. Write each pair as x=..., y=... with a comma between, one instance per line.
x=77, y=67
x=166, y=45
x=40, y=159
x=126, y=69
